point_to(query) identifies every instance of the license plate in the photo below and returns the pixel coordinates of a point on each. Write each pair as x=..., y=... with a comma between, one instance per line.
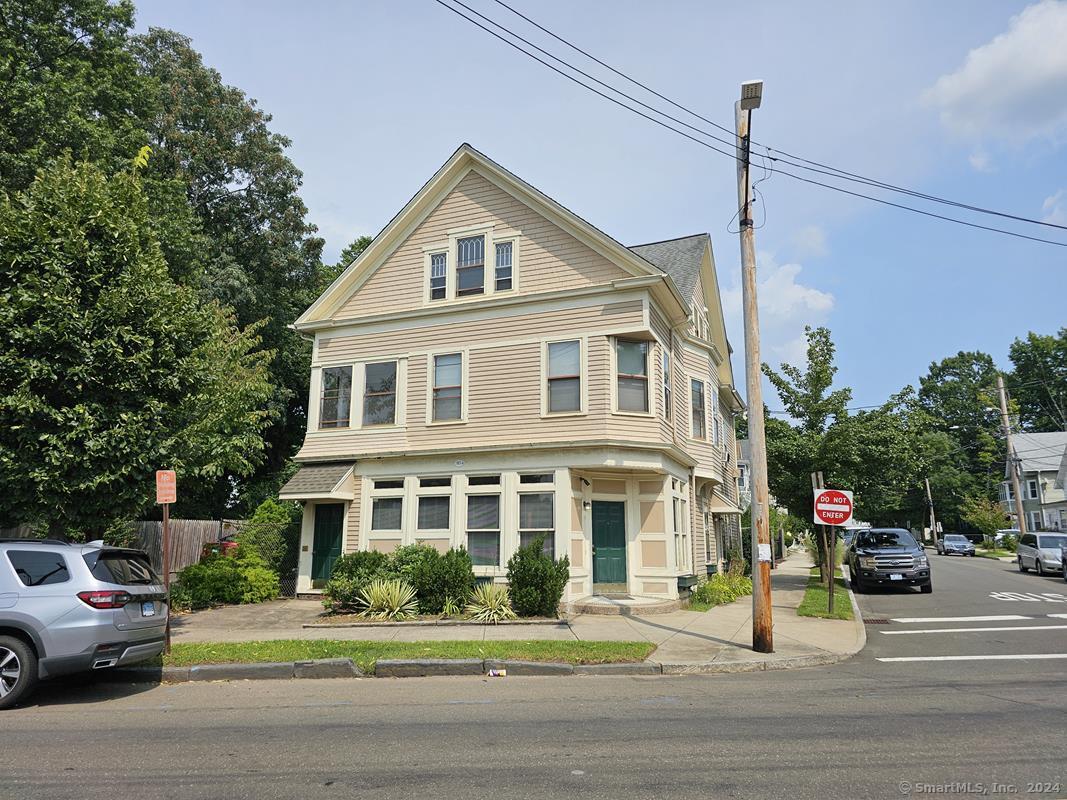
x=896, y=577
x=148, y=609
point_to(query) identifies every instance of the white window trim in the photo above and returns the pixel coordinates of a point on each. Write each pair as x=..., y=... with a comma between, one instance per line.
x=583, y=363
x=450, y=249
x=501, y=490
x=369, y=534
x=666, y=385
x=435, y=491
x=1033, y=490
x=716, y=416
x=359, y=372
x=464, y=354
x=649, y=377
x=703, y=382
x=681, y=537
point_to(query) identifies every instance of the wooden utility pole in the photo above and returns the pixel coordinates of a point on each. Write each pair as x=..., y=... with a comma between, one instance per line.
x=1012, y=460
x=933, y=517
x=762, y=635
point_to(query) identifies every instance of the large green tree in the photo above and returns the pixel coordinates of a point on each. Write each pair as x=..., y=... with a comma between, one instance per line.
x=108, y=368
x=1038, y=384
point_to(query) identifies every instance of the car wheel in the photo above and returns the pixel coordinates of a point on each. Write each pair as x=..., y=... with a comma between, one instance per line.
x=854, y=579
x=1040, y=570
x=927, y=588
x=18, y=671
x=1022, y=566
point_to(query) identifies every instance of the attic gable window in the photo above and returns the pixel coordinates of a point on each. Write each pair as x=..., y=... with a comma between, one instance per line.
x=438, y=276
x=470, y=266
x=503, y=266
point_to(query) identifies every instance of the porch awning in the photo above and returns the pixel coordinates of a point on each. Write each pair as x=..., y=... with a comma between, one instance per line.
x=319, y=481
x=716, y=505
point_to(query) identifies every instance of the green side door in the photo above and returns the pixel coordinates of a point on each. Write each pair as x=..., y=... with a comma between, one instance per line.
x=326, y=548
x=609, y=542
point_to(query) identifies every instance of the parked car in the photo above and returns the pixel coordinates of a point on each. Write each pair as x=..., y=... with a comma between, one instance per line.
x=888, y=557
x=1040, y=551
x=67, y=608
x=954, y=543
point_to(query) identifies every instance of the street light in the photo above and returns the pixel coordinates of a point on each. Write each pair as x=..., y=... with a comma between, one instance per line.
x=751, y=94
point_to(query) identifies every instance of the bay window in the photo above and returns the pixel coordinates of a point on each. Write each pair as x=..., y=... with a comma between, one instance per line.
x=699, y=413
x=631, y=361
x=564, y=376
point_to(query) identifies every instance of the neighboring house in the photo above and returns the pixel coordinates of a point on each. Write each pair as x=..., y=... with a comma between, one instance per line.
x=1042, y=458
x=744, y=474
x=493, y=368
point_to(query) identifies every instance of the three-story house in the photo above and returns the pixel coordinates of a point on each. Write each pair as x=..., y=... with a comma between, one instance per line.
x=493, y=368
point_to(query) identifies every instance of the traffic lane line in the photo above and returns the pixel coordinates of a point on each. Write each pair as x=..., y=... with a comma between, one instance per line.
x=991, y=618
x=993, y=657
x=980, y=630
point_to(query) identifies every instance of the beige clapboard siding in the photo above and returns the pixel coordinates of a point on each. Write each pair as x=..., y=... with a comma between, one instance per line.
x=352, y=526
x=663, y=331
x=549, y=258
x=709, y=456
x=342, y=350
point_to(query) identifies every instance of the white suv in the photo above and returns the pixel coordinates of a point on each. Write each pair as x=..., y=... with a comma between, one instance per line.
x=74, y=607
x=1040, y=551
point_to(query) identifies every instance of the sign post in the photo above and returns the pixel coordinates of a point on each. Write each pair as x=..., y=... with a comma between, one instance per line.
x=833, y=507
x=166, y=493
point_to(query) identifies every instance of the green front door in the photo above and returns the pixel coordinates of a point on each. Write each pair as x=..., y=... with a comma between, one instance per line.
x=609, y=543
x=329, y=520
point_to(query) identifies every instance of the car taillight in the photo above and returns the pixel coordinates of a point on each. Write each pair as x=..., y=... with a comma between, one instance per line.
x=105, y=599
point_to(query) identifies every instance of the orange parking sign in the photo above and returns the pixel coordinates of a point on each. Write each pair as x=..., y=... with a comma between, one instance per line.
x=166, y=486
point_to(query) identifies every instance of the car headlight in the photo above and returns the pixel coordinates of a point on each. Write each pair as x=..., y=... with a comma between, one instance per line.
x=921, y=561
x=867, y=563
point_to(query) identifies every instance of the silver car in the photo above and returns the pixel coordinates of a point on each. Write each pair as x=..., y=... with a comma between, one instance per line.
x=1040, y=551
x=67, y=608
x=955, y=543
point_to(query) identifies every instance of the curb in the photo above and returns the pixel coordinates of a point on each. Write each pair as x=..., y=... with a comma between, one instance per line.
x=276, y=670
x=433, y=623
x=857, y=617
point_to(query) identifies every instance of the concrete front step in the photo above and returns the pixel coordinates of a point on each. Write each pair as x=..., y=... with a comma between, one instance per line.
x=619, y=606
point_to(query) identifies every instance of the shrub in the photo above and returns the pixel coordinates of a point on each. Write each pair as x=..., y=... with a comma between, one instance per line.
x=721, y=589
x=241, y=578
x=788, y=539
x=388, y=599
x=265, y=531
x=736, y=563
x=440, y=578
x=536, y=580
x=1008, y=542
x=406, y=560
x=489, y=603
x=351, y=574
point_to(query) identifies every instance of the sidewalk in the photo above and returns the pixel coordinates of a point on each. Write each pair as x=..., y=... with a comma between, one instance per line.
x=719, y=640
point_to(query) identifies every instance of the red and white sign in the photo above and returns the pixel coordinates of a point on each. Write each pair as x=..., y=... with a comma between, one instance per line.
x=833, y=507
x=166, y=486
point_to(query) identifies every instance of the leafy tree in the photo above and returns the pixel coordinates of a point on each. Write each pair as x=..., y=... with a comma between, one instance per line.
x=986, y=515
x=1038, y=383
x=108, y=369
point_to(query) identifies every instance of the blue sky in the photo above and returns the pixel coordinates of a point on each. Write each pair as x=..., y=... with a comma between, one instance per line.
x=965, y=99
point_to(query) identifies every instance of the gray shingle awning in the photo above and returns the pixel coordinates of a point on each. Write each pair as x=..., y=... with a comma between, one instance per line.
x=317, y=480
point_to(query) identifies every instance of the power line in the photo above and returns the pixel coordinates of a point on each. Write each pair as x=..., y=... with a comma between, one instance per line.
x=826, y=168
x=702, y=143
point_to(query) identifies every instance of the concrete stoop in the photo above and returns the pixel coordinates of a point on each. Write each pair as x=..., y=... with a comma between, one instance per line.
x=621, y=606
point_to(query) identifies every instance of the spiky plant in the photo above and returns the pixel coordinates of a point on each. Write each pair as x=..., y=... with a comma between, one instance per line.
x=388, y=599
x=490, y=603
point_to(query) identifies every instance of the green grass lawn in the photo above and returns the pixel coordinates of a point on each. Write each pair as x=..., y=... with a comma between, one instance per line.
x=816, y=596
x=994, y=553
x=366, y=654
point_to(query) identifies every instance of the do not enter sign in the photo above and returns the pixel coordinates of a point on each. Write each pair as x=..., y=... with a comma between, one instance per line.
x=166, y=486
x=833, y=507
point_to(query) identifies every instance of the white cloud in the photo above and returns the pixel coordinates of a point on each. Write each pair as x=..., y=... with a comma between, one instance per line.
x=980, y=161
x=1013, y=87
x=785, y=307
x=810, y=242
x=1054, y=208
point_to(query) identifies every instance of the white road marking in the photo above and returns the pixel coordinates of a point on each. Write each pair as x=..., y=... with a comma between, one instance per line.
x=1029, y=597
x=1057, y=616
x=1030, y=657
x=981, y=630
x=1001, y=618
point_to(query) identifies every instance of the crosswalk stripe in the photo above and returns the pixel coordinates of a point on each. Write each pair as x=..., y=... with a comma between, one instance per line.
x=980, y=630
x=1030, y=657
x=1057, y=616
x=1000, y=618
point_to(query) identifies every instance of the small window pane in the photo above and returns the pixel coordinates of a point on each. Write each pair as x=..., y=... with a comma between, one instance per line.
x=470, y=280
x=548, y=547
x=535, y=511
x=386, y=513
x=503, y=266
x=633, y=394
x=484, y=548
x=483, y=480
x=38, y=567
x=426, y=482
x=447, y=405
x=433, y=513
x=470, y=251
x=540, y=477
x=699, y=415
x=448, y=370
x=389, y=483
x=470, y=266
x=336, y=397
x=632, y=357
x=438, y=276
x=379, y=399
x=564, y=359
x=564, y=394
x=483, y=511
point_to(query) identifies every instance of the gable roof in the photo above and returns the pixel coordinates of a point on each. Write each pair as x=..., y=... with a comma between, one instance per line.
x=680, y=258
x=315, y=479
x=464, y=160
x=1040, y=451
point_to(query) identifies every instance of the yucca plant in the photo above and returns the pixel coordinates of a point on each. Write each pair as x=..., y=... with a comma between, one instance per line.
x=451, y=608
x=388, y=599
x=490, y=603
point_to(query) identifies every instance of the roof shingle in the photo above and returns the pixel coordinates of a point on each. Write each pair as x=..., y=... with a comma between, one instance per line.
x=680, y=258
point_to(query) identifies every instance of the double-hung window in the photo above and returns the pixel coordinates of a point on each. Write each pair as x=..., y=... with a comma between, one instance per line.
x=699, y=413
x=470, y=266
x=435, y=505
x=667, y=384
x=1031, y=489
x=379, y=394
x=336, y=397
x=631, y=361
x=447, y=387
x=387, y=514
x=536, y=518
x=438, y=276
x=483, y=529
x=564, y=377
x=503, y=275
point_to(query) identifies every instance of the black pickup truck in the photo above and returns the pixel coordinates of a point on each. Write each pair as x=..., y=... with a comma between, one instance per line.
x=888, y=557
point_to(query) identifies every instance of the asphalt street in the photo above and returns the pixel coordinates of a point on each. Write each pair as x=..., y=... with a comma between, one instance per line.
x=867, y=727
